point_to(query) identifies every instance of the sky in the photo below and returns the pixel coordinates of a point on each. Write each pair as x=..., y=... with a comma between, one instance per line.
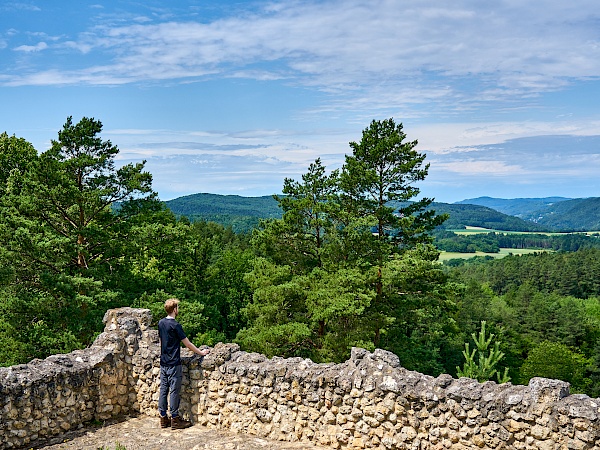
x=231, y=97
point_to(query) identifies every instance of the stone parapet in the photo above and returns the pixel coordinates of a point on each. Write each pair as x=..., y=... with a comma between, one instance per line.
x=369, y=401
x=43, y=399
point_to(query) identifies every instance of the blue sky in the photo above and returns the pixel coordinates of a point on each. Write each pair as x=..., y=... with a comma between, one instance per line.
x=230, y=97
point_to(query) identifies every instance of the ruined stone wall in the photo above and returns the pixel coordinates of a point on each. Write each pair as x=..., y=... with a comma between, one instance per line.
x=41, y=400
x=369, y=401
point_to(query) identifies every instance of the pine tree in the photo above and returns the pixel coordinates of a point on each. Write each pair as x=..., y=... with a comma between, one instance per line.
x=481, y=363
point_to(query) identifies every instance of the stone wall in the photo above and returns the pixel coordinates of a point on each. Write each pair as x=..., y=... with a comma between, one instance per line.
x=369, y=401
x=41, y=400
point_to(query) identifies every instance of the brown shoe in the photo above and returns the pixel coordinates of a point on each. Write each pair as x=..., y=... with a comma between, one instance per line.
x=165, y=422
x=177, y=423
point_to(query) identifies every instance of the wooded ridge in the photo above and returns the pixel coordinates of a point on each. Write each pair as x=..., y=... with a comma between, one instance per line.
x=554, y=213
x=535, y=215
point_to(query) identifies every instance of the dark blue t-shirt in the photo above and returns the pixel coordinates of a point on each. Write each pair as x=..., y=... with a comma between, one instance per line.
x=171, y=334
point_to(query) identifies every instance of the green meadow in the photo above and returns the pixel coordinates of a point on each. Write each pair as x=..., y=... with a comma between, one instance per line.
x=480, y=230
x=470, y=230
x=445, y=256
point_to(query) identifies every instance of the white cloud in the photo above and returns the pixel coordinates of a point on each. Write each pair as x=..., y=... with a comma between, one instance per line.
x=79, y=46
x=413, y=60
x=538, y=166
x=18, y=6
x=481, y=168
x=32, y=48
x=365, y=47
x=220, y=174
x=459, y=137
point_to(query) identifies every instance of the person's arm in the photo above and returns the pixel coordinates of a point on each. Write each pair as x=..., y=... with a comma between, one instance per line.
x=195, y=349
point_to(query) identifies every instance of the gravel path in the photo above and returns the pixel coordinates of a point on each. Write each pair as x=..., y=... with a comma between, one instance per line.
x=144, y=433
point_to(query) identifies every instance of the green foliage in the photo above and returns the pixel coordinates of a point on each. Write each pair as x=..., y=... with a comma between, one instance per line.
x=275, y=312
x=62, y=239
x=535, y=309
x=452, y=242
x=155, y=302
x=519, y=207
x=552, y=213
x=320, y=314
x=327, y=275
x=242, y=214
x=34, y=325
x=341, y=259
x=383, y=168
x=557, y=361
x=16, y=156
x=481, y=363
x=228, y=293
x=61, y=220
x=202, y=264
x=416, y=308
x=580, y=214
x=238, y=224
x=12, y=348
x=574, y=273
x=562, y=243
x=260, y=207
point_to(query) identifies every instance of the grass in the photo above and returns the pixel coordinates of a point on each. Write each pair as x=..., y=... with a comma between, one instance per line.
x=479, y=230
x=445, y=256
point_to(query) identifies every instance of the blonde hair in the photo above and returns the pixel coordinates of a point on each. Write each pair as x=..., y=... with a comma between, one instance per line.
x=171, y=304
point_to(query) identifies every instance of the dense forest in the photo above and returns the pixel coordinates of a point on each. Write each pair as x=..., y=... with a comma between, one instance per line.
x=339, y=267
x=242, y=214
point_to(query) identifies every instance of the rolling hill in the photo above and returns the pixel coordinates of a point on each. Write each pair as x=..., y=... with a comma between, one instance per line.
x=243, y=213
x=207, y=204
x=580, y=214
x=554, y=213
x=519, y=207
x=463, y=215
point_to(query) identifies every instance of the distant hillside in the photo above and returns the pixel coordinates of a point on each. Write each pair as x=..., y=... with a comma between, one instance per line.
x=580, y=214
x=519, y=207
x=243, y=213
x=265, y=206
x=481, y=216
x=554, y=213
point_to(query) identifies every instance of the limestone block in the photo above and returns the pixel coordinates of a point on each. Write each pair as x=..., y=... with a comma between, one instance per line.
x=407, y=434
x=539, y=432
x=576, y=444
x=371, y=421
x=584, y=436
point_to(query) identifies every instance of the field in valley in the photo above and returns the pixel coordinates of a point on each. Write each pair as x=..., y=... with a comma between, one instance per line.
x=479, y=230
x=445, y=256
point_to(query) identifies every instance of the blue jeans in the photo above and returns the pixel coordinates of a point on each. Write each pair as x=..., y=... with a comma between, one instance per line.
x=170, y=385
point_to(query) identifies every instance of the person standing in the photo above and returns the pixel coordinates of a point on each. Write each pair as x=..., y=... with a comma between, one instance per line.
x=171, y=334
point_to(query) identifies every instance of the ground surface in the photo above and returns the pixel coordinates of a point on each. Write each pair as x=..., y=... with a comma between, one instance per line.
x=144, y=433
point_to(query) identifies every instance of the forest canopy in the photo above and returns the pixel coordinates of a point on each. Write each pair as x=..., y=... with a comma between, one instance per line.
x=339, y=267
